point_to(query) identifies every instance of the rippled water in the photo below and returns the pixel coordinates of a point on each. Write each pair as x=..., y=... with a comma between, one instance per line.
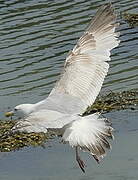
x=35, y=37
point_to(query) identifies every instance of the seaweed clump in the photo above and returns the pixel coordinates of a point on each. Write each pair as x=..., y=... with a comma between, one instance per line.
x=114, y=101
x=14, y=141
x=132, y=19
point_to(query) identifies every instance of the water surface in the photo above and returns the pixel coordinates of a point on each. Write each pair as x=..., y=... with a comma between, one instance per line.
x=35, y=38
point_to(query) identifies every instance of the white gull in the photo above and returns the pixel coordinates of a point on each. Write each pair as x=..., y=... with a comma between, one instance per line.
x=80, y=82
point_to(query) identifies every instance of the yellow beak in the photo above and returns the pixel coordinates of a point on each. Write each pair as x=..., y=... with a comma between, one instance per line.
x=8, y=114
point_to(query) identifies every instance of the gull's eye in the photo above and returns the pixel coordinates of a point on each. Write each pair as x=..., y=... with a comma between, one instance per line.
x=15, y=109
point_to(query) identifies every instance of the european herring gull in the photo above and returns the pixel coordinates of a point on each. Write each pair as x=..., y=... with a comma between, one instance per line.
x=80, y=82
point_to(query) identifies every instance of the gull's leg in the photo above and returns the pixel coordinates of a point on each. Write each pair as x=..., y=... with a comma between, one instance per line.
x=79, y=161
x=96, y=159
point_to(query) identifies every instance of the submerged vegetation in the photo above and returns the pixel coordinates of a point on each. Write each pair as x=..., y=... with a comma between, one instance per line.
x=113, y=101
x=14, y=141
x=132, y=19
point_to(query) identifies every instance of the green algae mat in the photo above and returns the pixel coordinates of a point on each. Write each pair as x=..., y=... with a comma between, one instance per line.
x=131, y=19
x=104, y=104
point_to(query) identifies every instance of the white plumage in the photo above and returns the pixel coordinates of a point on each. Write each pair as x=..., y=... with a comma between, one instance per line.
x=84, y=71
x=87, y=132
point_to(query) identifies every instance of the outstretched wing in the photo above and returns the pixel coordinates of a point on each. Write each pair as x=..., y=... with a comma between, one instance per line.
x=86, y=65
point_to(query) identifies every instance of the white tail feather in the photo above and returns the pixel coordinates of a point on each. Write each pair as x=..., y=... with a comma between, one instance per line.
x=90, y=133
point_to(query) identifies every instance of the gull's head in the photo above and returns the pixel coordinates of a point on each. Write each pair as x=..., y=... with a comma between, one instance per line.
x=21, y=111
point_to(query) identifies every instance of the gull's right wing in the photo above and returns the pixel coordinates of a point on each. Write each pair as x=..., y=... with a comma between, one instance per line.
x=86, y=65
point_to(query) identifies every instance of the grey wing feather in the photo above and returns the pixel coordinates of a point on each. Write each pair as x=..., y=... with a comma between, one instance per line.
x=86, y=65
